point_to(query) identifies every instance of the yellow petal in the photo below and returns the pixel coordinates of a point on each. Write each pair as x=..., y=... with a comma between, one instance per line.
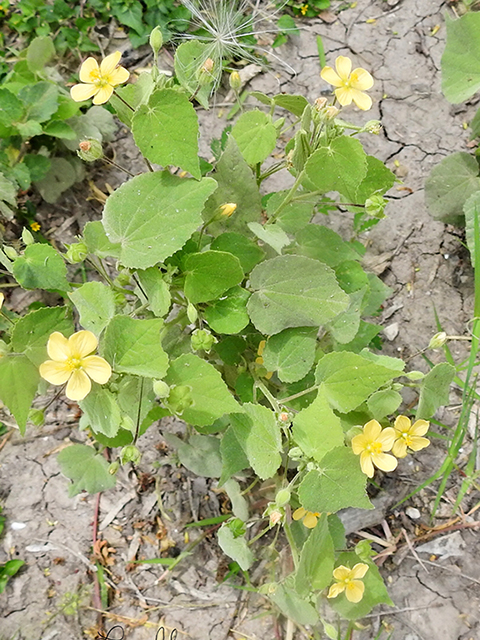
x=417, y=443
x=55, y=372
x=78, y=386
x=82, y=343
x=354, y=591
x=366, y=464
x=89, y=71
x=58, y=347
x=109, y=63
x=119, y=76
x=362, y=100
x=335, y=590
x=402, y=424
x=341, y=573
x=372, y=430
x=359, y=570
x=384, y=461
x=299, y=513
x=359, y=443
x=97, y=368
x=81, y=92
x=387, y=438
x=361, y=80
x=310, y=520
x=399, y=448
x=103, y=95
x=331, y=76
x=2, y=298
x=343, y=65
x=420, y=428
x=344, y=96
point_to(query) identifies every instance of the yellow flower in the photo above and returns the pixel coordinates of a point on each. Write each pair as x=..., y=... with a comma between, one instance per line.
x=409, y=435
x=350, y=84
x=227, y=209
x=70, y=361
x=304, y=9
x=371, y=444
x=349, y=580
x=99, y=81
x=310, y=518
x=34, y=226
x=2, y=298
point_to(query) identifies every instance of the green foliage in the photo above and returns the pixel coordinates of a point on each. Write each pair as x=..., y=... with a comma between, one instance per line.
x=11, y=567
x=87, y=469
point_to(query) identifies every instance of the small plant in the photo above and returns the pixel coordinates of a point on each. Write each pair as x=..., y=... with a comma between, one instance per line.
x=11, y=567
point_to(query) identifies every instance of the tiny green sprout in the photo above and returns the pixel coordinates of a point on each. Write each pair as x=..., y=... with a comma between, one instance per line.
x=27, y=237
x=205, y=73
x=375, y=206
x=90, y=150
x=123, y=278
x=438, y=340
x=130, y=453
x=161, y=389
x=76, y=252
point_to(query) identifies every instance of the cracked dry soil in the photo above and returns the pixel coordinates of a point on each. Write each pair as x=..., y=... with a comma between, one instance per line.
x=427, y=267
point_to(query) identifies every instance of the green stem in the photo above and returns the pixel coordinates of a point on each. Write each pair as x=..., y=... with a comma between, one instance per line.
x=117, y=166
x=124, y=101
x=298, y=395
x=259, y=535
x=268, y=395
x=293, y=546
x=289, y=197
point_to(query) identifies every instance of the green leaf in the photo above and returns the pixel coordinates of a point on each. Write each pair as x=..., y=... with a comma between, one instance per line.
x=29, y=129
x=201, y=454
x=11, y=108
x=229, y=315
x=235, y=548
x=341, y=166
x=316, y=429
x=233, y=457
x=271, y=234
x=472, y=210
x=134, y=95
x=239, y=503
x=59, y=129
x=260, y=438
x=97, y=241
x=291, y=353
x=136, y=399
x=133, y=346
x=293, y=291
x=349, y=379
x=243, y=248
x=95, y=303
x=166, y=130
x=189, y=57
x=294, y=103
x=322, y=243
x=293, y=606
x=41, y=267
x=461, y=58
x=40, y=51
x=40, y=100
x=156, y=290
x=38, y=166
x=339, y=484
x=344, y=328
x=434, y=389
x=30, y=334
x=152, y=215
x=60, y=177
x=102, y=411
x=209, y=274
x=210, y=395
x=255, y=135
x=378, y=293
x=8, y=197
x=86, y=468
x=295, y=215
x=96, y=123
x=384, y=403
x=19, y=380
x=316, y=560
x=449, y=185
x=379, y=179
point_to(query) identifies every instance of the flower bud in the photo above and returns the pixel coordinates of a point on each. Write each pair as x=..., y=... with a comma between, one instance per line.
x=415, y=375
x=202, y=340
x=205, y=75
x=227, y=209
x=275, y=518
x=130, y=453
x=438, y=340
x=295, y=453
x=179, y=398
x=331, y=112
x=10, y=253
x=375, y=206
x=235, y=81
x=76, y=252
x=284, y=417
x=373, y=126
x=156, y=40
x=90, y=150
x=161, y=389
x=119, y=298
x=27, y=237
x=123, y=278
x=320, y=103
x=283, y=497
x=192, y=313
x=114, y=467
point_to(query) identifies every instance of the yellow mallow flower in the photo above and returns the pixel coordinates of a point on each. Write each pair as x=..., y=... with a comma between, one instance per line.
x=99, y=81
x=2, y=298
x=70, y=361
x=310, y=518
x=350, y=85
x=349, y=580
x=409, y=436
x=371, y=446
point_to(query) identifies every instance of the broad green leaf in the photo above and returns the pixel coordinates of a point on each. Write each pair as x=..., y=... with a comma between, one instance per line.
x=29, y=129
x=317, y=429
x=8, y=196
x=243, y=248
x=339, y=484
x=230, y=349
x=59, y=129
x=239, y=503
x=260, y=438
x=189, y=57
x=292, y=605
x=201, y=454
x=166, y=130
x=40, y=51
x=236, y=184
x=210, y=395
x=30, y=334
x=377, y=295
x=96, y=123
x=295, y=215
x=461, y=58
x=95, y=303
x=86, y=468
x=102, y=411
x=156, y=289
x=434, y=389
x=152, y=215
x=41, y=267
x=365, y=334
x=229, y=314
x=449, y=185
x=97, y=241
x=291, y=353
x=233, y=456
x=60, y=177
x=396, y=364
x=379, y=179
x=349, y=379
x=341, y=166
x=293, y=103
x=133, y=346
x=322, y=243
x=344, y=327
x=384, y=403
x=11, y=108
x=293, y=291
x=472, y=210
x=38, y=166
x=235, y=548
x=209, y=274
x=134, y=95
x=136, y=399
x=351, y=276
x=271, y=234
x=19, y=380
x=40, y=100
x=316, y=560
x=255, y=135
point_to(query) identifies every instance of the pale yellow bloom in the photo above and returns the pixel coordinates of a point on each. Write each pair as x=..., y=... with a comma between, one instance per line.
x=70, y=361
x=227, y=209
x=408, y=435
x=2, y=298
x=349, y=580
x=371, y=445
x=350, y=85
x=99, y=81
x=304, y=9
x=310, y=518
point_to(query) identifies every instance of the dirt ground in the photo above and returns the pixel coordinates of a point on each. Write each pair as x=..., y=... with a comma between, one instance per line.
x=436, y=590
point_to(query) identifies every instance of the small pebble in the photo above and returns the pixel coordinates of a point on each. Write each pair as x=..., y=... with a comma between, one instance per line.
x=413, y=513
x=16, y=526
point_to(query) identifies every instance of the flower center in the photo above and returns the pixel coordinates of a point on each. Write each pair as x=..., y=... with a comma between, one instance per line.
x=374, y=447
x=407, y=438
x=74, y=363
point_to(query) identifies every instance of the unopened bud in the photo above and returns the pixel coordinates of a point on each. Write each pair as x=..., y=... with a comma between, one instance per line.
x=284, y=417
x=179, y=398
x=192, y=313
x=227, y=209
x=330, y=112
x=161, y=389
x=156, y=40
x=10, y=253
x=438, y=340
x=283, y=497
x=76, y=252
x=90, y=150
x=27, y=237
x=415, y=375
x=320, y=103
x=373, y=126
x=375, y=206
x=295, y=453
x=204, y=75
x=235, y=80
x=114, y=467
x=202, y=340
x=130, y=453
